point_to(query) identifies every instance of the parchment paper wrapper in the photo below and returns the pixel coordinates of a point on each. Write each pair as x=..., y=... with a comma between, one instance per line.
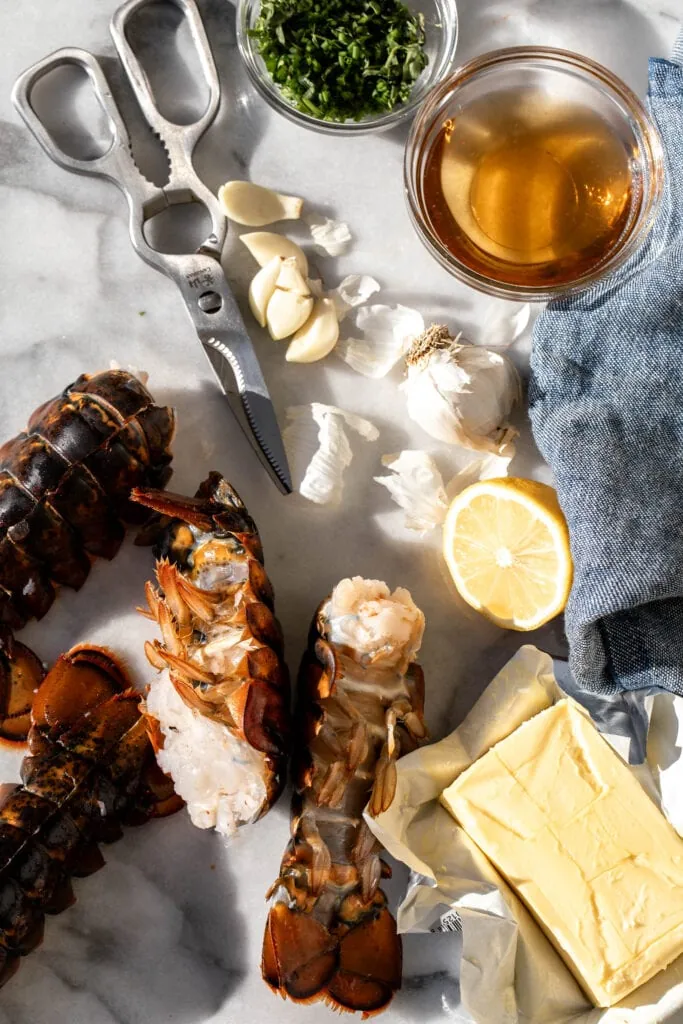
x=509, y=972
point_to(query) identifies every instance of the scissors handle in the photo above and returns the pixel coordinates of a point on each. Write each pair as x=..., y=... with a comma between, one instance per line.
x=180, y=140
x=186, y=135
x=115, y=163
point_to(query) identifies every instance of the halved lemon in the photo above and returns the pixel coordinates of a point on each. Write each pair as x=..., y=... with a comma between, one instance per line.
x=506, y=544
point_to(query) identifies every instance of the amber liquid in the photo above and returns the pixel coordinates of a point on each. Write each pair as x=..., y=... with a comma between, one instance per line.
x=528, y=188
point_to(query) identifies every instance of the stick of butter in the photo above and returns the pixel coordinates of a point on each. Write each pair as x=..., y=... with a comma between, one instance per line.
x=575, y=834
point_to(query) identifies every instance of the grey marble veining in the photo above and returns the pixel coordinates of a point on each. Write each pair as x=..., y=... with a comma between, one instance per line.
x=170, y=930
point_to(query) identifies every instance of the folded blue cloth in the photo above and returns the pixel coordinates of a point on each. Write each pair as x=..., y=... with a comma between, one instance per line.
x=606, y=399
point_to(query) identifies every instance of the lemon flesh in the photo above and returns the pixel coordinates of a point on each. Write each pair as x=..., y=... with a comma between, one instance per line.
x=506, y=545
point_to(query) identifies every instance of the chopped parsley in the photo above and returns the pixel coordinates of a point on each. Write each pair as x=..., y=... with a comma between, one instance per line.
x=341, y=60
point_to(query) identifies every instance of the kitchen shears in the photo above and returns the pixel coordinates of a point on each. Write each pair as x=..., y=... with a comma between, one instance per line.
x=199, y=275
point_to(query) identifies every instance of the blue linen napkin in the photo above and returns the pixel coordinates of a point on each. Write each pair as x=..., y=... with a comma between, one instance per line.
x=606, y=401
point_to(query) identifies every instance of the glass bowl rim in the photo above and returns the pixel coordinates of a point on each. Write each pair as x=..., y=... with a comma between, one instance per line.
x=270, y=92
x=652, y=158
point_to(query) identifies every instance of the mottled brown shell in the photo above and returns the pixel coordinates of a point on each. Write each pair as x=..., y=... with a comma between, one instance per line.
x=330, y=935
x=65, y=485
x=90, y=770
x=21, y=673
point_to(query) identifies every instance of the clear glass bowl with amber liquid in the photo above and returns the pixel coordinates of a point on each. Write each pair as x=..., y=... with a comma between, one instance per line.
x=532, y=172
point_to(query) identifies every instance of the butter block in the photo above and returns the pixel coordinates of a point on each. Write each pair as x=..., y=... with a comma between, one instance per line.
x=574, y=833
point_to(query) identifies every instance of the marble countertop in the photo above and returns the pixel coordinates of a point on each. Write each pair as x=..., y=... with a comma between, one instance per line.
x=170, y=930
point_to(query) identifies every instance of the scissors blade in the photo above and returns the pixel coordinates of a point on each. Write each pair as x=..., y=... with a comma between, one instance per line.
x=239, y=375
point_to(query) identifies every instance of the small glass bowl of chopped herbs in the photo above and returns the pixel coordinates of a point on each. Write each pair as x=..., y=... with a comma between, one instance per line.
x=347, y=66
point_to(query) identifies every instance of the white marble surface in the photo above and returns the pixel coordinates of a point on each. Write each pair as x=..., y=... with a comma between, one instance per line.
x=171, y=929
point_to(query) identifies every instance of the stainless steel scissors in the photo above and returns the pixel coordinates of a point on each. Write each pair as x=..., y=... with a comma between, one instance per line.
x=208, y=298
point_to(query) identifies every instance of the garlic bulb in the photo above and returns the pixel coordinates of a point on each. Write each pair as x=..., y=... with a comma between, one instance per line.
x=461, y=394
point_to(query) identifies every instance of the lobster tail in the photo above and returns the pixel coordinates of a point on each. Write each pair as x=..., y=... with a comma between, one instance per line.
x=330, y=934
x=87, y=773
x=65, y=485
x=222, y=702
x=356, y=966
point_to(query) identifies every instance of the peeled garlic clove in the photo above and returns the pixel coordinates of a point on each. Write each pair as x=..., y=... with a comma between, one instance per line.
x=253, y=205
x=291, y=303
x=287, y=312
x=317, y=337
x=290, y=279
x=262, y=287
x=264, y=245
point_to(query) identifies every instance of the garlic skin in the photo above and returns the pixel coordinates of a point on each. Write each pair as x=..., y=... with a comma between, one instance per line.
x=317, y=337
x=262, y=287
x=331, y=237
x=388, y=333
x=265, y=245
x=353, y=291
x=416, y=485
x=252, y=205
x=461, y=394
x=319, y=450
x=291, y=303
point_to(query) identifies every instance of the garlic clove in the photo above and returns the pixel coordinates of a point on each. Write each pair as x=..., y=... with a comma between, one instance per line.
x=317, y=337
x=291, y=303
x=254, y=206
x=262, y=287
x=291, y=279
x=264, y=245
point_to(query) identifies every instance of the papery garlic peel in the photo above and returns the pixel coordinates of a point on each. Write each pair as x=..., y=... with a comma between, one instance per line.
x=319, y=450
x=331, y=236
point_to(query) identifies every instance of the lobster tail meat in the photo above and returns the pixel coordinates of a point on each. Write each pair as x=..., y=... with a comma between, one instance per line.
x=330, y=934
x=90, y=769
x=65, y=484
x=219, y=708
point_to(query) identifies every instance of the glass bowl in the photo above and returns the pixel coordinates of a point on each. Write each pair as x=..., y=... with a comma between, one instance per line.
x=441, y=31
x=539, y=74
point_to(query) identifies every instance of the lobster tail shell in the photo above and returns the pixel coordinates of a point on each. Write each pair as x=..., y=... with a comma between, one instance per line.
x=65, y=484
x=357, y=971
x=86, y=774
x=21, y=673
x=221, y=642
x=330, y=935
